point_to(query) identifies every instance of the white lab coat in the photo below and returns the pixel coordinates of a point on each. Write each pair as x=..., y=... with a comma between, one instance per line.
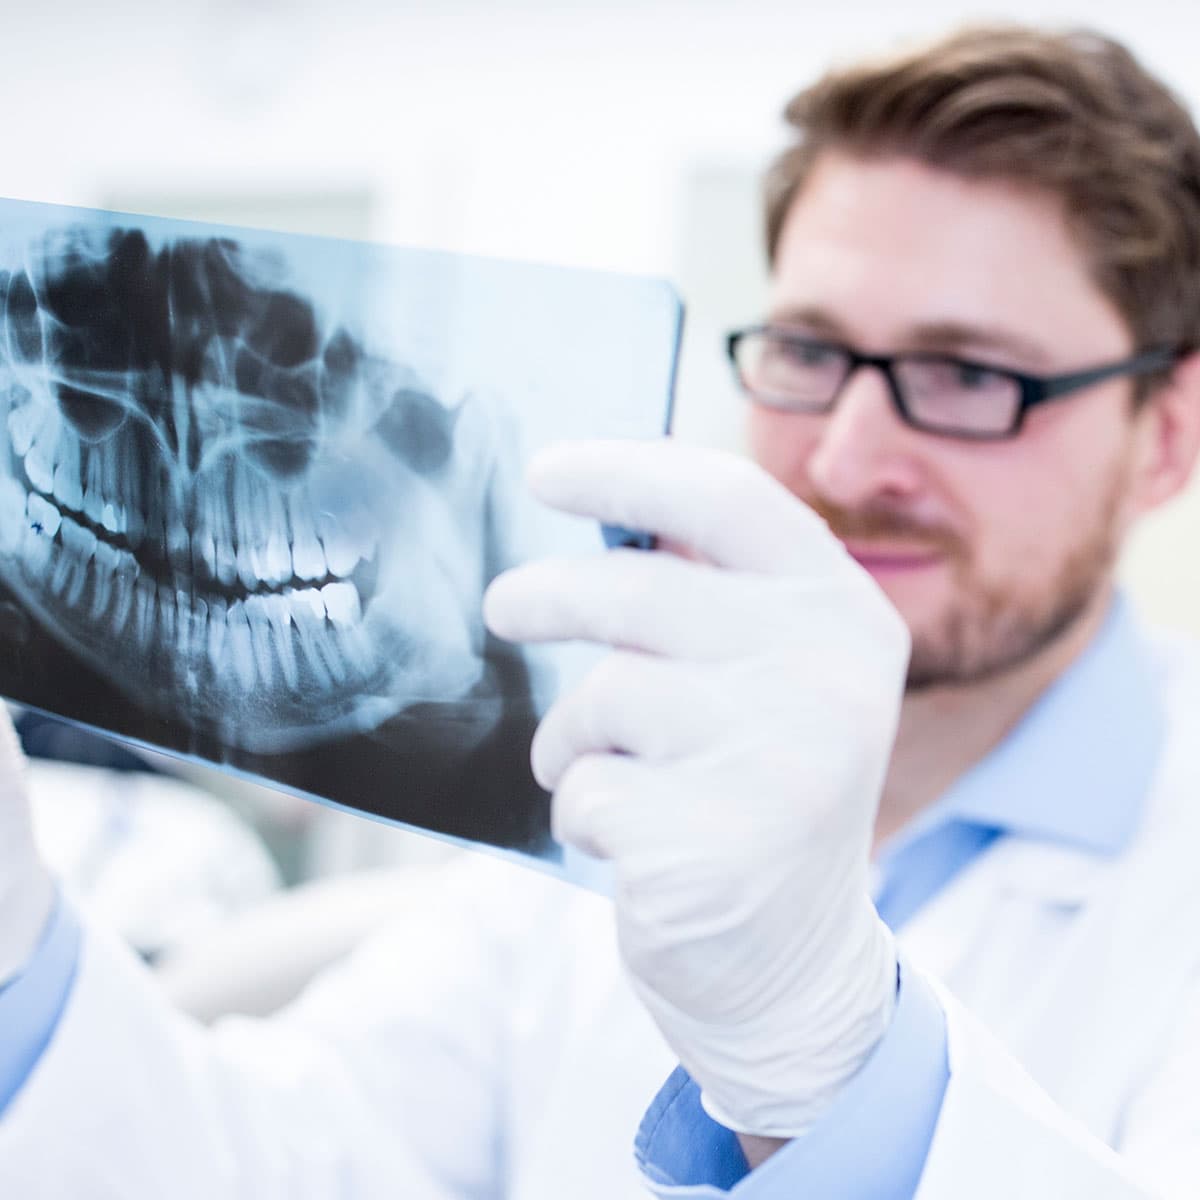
x=487, y=1045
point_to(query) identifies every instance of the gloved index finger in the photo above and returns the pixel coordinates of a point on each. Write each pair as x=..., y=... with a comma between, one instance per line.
x=720, y=505
x=655, y=603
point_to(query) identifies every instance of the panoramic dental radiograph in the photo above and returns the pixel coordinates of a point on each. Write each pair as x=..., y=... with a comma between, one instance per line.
x=254, y=486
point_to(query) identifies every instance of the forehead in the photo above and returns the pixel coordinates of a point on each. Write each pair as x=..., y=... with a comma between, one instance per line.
x=887, y=246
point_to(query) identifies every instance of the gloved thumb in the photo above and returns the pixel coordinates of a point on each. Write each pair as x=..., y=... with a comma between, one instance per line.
x=11, y=756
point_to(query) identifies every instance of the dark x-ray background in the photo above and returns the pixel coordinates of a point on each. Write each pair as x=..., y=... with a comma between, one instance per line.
x=457, y=768
x=409, y=382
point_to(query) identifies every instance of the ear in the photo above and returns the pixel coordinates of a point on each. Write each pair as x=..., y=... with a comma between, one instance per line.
x=1170, y=435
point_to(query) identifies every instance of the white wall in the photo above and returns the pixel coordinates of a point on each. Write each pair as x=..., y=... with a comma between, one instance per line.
x=617, y=135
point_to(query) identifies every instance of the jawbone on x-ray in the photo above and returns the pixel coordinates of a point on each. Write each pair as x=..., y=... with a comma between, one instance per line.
x=244, y=517
x=255, y=485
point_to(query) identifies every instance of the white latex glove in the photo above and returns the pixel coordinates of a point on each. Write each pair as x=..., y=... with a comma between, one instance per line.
x=26, y=887
x=728, y=759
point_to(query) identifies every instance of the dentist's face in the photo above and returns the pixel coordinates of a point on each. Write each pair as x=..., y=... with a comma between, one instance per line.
x=989, y=550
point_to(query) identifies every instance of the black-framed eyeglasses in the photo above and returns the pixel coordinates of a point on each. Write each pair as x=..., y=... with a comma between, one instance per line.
x=938, y=393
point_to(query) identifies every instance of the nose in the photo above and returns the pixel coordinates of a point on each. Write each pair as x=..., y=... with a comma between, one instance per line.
x=864, y=451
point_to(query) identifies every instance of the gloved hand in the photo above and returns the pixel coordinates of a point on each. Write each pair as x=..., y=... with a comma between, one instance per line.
x=26, y=886
x=728, y=758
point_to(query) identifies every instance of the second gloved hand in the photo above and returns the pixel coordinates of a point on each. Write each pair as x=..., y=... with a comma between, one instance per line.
x=728, y=758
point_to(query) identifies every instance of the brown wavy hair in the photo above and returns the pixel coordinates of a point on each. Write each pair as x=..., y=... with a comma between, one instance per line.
x=1072, y=113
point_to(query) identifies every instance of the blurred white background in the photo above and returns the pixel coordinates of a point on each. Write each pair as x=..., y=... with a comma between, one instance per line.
x=618, y=135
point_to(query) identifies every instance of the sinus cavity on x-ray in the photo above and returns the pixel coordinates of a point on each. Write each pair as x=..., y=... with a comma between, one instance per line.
x=254, y=485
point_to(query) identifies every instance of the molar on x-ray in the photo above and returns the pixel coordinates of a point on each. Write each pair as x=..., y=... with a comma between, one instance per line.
x=259, y=500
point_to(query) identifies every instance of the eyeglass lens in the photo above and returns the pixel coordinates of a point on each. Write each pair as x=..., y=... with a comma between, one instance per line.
x=937, y=393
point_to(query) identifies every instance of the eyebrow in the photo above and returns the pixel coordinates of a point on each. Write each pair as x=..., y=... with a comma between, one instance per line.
x=946, y=337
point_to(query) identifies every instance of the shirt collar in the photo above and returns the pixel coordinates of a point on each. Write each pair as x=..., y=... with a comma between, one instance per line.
x=1076, y=768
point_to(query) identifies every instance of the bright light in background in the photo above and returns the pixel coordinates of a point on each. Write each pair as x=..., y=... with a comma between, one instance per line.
x=620, y=135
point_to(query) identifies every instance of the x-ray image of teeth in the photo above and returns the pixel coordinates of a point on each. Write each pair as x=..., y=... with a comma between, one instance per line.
x=253, y=486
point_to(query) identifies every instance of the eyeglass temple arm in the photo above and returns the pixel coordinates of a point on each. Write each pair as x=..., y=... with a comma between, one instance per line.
x=1139, y=364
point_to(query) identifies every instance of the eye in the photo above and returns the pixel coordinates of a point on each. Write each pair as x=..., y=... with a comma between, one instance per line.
x=971, y=377
x=805, y=354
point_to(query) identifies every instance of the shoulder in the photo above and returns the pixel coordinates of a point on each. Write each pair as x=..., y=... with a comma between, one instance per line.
x=1175, y=662
x=1162, y=856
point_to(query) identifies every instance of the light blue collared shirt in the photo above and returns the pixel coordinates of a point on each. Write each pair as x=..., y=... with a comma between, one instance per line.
x=1053, y=778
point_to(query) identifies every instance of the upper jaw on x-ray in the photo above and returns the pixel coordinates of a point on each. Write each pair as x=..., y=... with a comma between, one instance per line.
x=219, y=497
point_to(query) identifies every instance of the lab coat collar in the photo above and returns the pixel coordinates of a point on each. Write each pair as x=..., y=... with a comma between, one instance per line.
x=1076, y=769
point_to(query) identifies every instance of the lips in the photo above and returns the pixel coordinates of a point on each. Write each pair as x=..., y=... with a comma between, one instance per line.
x=893, y=559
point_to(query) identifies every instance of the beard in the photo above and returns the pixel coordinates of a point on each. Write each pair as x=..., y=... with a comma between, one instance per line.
x=991, y=626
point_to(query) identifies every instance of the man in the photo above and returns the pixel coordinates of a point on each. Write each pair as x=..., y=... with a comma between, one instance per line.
x=980, y=368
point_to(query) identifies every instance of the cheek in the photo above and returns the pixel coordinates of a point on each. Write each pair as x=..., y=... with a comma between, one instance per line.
x=1046, y=494
x=782, y=443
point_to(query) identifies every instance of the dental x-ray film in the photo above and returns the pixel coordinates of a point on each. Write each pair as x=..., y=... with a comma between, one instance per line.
x=254, y=485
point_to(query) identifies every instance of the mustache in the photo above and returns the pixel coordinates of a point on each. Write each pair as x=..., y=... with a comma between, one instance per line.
x=880, y=523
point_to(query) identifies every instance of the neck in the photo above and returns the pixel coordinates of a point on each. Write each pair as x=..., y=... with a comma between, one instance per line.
x=944, y=731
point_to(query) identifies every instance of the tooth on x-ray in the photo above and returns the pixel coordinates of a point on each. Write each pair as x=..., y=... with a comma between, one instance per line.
x=256, y=483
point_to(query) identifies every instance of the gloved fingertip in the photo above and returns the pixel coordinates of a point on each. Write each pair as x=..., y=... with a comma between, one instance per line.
x=500, y=606
x=10, y=741
x=543, y=761
x=545, y=779
x=549, y=467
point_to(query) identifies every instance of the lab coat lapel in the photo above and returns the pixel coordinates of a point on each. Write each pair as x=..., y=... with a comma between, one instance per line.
x=1039, y=874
